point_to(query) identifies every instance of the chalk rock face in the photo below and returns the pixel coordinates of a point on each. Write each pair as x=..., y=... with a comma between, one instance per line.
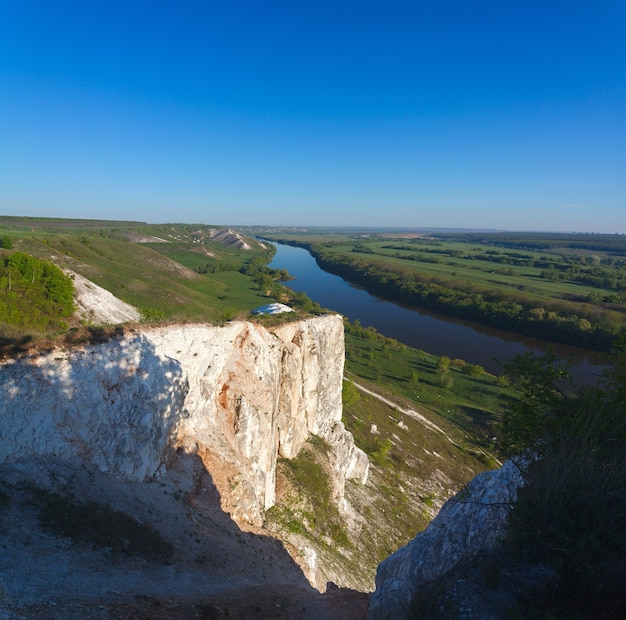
x=469, y=523
x=255, y=394
x=97, y=305
x=117, y=404
x=322, y=352
x=238, y=395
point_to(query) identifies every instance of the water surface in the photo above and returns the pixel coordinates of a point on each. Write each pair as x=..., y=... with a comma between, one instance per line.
x=430, y=332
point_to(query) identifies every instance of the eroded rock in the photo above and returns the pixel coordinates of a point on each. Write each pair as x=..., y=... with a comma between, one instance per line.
x=238, y=395
x=469, y=524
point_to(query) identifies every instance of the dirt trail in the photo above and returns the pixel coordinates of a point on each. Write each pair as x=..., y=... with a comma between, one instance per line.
x=410, y=412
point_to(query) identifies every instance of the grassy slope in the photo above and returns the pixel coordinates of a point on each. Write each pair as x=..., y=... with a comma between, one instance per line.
x=158, y=278
x=414, y=470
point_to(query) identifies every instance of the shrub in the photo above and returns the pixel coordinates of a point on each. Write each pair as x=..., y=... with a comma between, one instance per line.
x=380, y=454
x=572, y=511
x=350, y=395
x=35, y=294
x=151, y=315
x=476, y=371
x=545, y=383
x=443, y=364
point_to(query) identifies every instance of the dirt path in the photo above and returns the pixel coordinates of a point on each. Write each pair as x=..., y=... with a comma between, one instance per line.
x=409, y=412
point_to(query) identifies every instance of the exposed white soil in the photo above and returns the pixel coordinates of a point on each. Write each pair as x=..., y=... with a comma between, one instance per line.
x=134, y=237
x=97, y=305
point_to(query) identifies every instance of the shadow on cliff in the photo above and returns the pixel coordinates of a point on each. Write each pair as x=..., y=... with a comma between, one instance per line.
x=116, y=405
x=266, y=581
x=16, y=343
x=83, y=438
x=205, y=567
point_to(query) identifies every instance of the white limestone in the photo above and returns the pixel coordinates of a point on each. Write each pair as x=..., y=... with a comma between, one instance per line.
x=238, y=395
x=97, y=305
x=468, y=524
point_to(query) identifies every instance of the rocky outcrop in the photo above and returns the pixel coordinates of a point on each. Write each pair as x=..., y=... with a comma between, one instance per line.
x=117, y=405
x=230, y=238
x=238, y=395
x=469, y=524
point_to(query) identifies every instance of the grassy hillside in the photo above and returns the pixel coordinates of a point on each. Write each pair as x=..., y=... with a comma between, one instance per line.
x=417, y=461
x=189, y=277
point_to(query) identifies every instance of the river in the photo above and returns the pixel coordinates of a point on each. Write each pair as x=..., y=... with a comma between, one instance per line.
x=423, y=330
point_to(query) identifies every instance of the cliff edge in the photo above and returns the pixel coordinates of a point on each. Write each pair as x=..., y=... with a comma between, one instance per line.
x=238, y=396
x=468, y=526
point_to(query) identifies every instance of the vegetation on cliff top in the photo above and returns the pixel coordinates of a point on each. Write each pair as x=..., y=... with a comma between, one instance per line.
x=34, y=294
x=174, y=273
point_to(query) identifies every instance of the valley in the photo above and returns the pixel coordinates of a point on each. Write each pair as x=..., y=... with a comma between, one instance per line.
x=325, y=436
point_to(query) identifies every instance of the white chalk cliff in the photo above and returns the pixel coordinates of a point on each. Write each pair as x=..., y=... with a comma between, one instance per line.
x=467, y=525
x=239, y=396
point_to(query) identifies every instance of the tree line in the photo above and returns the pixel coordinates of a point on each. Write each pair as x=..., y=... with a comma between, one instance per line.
x=575, y=323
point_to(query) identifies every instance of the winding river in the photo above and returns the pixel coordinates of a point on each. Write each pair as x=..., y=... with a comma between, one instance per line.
x=420, y=329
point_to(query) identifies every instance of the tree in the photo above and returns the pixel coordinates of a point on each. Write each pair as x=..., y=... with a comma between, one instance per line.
x=571, y=513
x=350, y=394
x=443, y=364
x=36, y=293
x=545, y=381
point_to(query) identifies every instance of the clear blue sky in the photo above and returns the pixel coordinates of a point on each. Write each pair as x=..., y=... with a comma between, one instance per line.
x=496, y=114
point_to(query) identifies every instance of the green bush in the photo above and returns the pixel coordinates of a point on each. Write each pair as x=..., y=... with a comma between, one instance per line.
x=350, y=395
x=571, y=513
x=545, y=383
x=151, y=315
x=309, y=476
x=34, y=294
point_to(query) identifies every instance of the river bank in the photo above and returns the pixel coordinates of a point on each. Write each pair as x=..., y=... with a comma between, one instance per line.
x=430, y=332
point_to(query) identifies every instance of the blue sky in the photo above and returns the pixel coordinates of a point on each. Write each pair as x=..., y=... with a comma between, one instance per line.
x=472, y=113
